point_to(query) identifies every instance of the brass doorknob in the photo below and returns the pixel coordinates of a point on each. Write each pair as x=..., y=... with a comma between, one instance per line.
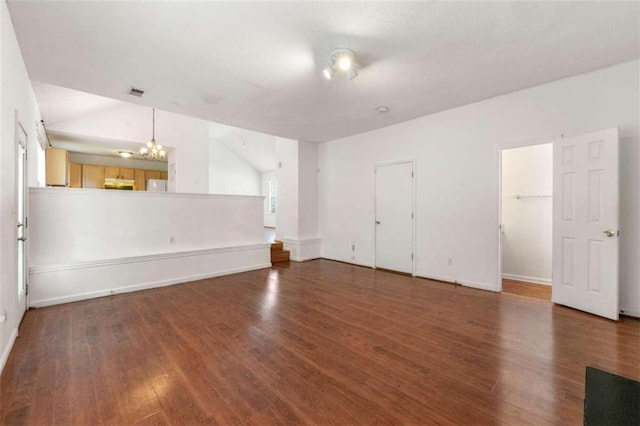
x=609, y=233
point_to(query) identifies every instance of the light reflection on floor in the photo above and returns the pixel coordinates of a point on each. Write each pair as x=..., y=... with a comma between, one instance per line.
x=535, y=345
x=270, y=297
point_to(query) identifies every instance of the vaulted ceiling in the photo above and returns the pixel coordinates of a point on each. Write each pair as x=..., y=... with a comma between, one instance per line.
x=257, y=65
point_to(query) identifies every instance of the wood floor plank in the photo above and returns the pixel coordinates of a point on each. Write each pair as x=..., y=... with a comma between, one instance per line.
x=318, y=342
x=522, y=288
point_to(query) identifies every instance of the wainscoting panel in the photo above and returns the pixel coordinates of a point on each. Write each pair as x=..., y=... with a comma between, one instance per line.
x=55, y=284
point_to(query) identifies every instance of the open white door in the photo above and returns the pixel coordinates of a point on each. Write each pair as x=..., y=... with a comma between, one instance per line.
x=21, y=215
x=585, y=223
x=394, y=217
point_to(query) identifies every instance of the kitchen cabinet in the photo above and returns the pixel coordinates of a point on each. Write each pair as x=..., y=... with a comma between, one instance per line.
x=141, y=180
x=56, y=167
x=75, y=175
x=152, y=174
x=92, y=176
x=119, y=172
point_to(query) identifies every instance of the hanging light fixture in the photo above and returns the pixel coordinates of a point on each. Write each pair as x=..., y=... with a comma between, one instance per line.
x=153, y=151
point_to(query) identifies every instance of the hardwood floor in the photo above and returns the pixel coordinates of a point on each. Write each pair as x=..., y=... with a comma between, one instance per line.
x=316, y=342
x=520, y=288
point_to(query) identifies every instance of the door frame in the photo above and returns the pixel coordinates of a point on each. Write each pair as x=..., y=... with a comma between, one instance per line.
x=500, y=149
x=23, y=296
x=413, y=162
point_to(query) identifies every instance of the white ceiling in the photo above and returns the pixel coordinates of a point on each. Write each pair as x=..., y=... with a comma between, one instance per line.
x=59, y=104
x=256, y=65
x=257, y=149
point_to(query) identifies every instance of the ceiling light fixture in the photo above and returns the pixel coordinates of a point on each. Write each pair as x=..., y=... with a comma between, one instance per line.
x=383, y=109
x=344, y=63
x=125, y=154
x=343, y=60
x=153, y=151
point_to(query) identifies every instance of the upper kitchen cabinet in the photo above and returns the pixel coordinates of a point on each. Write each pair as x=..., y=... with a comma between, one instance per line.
x=56, y=167
x=119, y=173
x=153, y=174
x=92, y=176
x=141, y=181
x=75, y=175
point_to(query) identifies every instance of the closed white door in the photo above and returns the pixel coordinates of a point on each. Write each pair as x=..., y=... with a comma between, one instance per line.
x=394, y=217
x=585, y=223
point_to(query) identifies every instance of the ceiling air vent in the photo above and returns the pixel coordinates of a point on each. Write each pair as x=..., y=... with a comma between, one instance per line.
x=136, y=92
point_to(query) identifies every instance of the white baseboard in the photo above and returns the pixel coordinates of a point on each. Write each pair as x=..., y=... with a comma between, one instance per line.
x=631, y=312
x=144, y=286
x=351, y=262
x=533, y=280
x=466, y=283
x=7, y=349
x=55, y=284
x=302, y=259
x=302, y=249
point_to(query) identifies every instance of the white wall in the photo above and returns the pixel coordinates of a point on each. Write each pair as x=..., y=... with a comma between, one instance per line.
x=287, y=181
x=88, y=243
x=527, y=173
x=308, y=190
x=456, y=154
x=77, y=225
x=297, y=202
x=41, y=170
x=229, y=173
x=16, y=95
x=269, y=218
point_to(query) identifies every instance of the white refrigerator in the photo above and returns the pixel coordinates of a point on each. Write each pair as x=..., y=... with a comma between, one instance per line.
x=156, y=185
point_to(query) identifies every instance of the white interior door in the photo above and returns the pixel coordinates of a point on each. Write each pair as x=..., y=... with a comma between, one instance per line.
x=394, y=217
x=585, y=223
x=21, y=214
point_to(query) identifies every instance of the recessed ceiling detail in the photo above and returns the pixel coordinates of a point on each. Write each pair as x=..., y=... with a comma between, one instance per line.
x=420, y=57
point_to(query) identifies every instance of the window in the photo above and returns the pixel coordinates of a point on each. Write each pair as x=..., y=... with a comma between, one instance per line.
x=272, y=196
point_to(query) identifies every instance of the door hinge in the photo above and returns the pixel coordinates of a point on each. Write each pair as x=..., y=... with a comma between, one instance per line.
x=411, y=173
x=411, y=215
x=411, y=256
x=26, y=289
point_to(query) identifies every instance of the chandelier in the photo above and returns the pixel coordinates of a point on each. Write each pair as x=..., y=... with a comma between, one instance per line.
x=153, y=151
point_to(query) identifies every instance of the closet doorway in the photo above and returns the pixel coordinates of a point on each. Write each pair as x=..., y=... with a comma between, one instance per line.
x=527, y=218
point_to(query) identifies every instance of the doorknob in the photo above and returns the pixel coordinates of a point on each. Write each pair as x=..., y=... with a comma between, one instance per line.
x=22, y=239
x=609, y=233
x=377, y=222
